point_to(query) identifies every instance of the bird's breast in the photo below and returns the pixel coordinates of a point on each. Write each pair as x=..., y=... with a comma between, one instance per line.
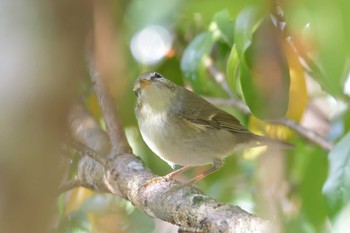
x=154, y=131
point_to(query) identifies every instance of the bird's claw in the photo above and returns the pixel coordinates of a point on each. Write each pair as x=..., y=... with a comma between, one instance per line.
x=156, y=180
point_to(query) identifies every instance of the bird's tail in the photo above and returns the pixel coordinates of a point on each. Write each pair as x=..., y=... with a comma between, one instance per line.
x=273, y=142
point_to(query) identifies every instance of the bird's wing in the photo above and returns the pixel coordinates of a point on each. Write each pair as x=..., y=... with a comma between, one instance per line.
x=218, y=120
x=199, y=114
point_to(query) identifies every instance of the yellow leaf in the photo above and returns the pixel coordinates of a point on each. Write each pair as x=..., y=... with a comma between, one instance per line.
x=93, y=106
x=76, y=197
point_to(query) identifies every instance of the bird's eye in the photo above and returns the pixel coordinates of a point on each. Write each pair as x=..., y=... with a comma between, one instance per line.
x=155, y=76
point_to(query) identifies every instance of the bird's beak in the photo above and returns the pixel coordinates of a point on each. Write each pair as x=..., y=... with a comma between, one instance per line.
x=140, y=84
x=144, y=83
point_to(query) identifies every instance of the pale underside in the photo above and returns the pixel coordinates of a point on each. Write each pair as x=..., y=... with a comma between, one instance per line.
x=197, y=145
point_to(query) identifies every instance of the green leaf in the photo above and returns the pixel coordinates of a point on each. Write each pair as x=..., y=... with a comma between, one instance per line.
x=346, y=119
x=337, y=186
x=322, y=41
x=307, y=172
x=264, y=70
x=194, y=68
x=193, y=55
x=232, y=71
x=222, y=26
x=331, y=42
x=266, y=80
x=314, y=203
x=245, y=25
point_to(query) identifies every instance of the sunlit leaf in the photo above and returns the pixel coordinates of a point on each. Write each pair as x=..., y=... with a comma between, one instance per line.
x=337, y=187
x=245, y=25
x=223, y=26
x=232, y=71
x=275, y=131
x=193, y=65
x=298, y=96
x=199, y=47
x=77, y=197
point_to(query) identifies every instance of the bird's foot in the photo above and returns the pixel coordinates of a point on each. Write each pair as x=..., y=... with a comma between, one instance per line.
x=154, y=180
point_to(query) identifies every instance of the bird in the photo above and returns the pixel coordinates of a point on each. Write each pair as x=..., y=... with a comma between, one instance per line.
x=184, y=129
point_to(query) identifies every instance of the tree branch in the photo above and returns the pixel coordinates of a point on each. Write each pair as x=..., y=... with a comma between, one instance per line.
x=114, y=130
x=86, y=151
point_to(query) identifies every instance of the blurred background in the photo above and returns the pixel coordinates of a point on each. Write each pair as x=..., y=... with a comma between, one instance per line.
x=283, y=59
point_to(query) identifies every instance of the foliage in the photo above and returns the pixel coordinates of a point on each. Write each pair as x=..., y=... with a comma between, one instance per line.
x=337, y=186
x=267, y=58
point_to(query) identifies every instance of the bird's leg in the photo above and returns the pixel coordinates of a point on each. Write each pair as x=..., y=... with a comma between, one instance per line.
x=179, y=171
x=217, y=164
x=167, y=177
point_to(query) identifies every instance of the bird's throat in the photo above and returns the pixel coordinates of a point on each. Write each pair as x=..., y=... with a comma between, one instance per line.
x=156, y=100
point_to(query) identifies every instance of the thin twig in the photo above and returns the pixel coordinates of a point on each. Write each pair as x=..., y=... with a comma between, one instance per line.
x=305, y=133
x=115, y=132
x=218, y=76
x=85, y=150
